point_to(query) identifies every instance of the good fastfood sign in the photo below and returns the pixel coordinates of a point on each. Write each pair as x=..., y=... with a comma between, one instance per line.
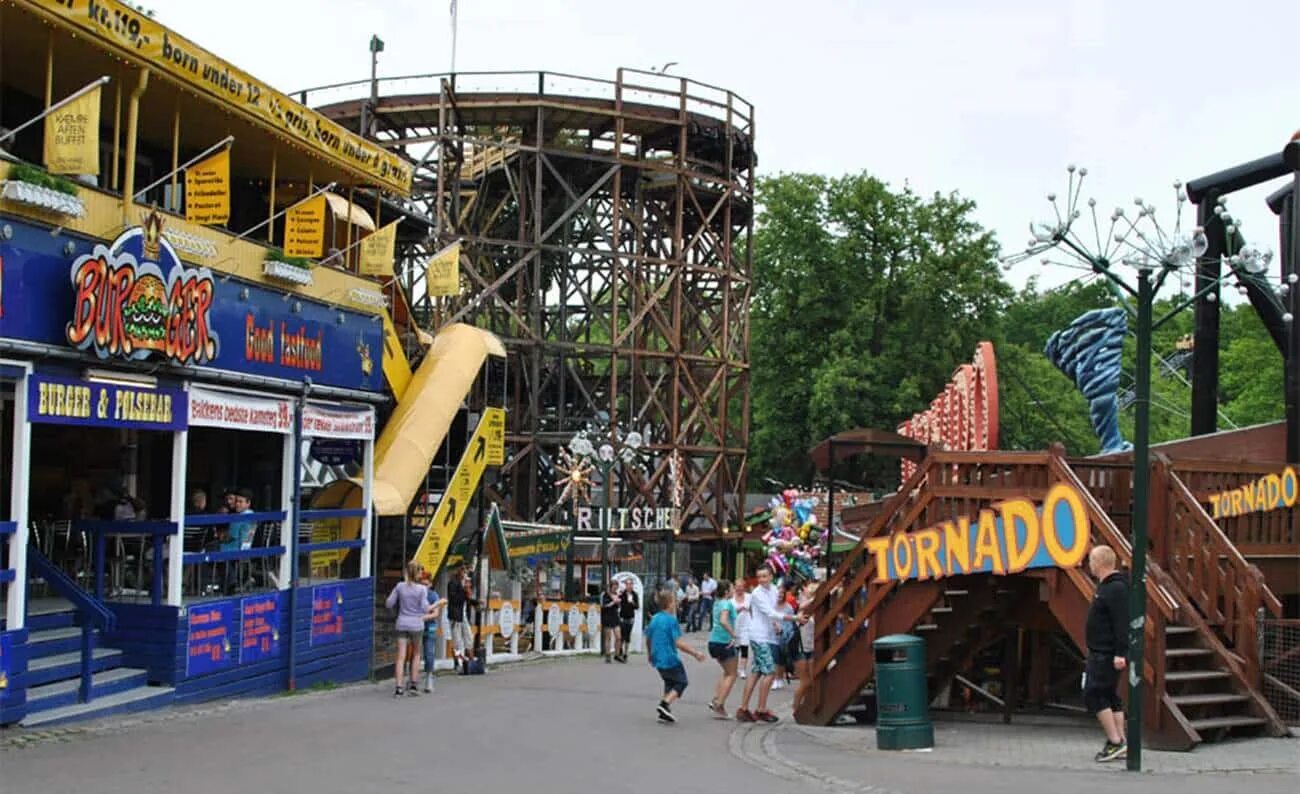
x=1008, y=538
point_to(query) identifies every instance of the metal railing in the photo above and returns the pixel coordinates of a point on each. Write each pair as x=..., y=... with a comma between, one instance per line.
x=649, y=89
x=323, y=553
x=1279, y=652
x=215, y=565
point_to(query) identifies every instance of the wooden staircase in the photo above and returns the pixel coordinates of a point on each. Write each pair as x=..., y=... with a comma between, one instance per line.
x=1202, y=671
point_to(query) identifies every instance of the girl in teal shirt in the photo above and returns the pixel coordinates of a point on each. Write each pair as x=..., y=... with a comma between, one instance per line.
x=722, y=647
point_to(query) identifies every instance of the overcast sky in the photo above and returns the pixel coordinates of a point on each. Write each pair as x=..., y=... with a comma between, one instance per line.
x=988, y=98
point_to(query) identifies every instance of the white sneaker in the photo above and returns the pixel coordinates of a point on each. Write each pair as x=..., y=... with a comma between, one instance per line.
x=428, y=682
x=742, y=674
x=779, y=685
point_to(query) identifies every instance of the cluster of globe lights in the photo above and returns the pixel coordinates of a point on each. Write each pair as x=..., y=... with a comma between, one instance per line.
x=1139, y=241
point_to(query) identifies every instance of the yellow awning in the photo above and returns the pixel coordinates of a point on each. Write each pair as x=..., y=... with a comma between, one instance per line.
x=346, y=211
x=424, y=415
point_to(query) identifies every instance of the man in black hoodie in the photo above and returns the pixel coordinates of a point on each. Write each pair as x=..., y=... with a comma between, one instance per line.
x=458, y=598
x=1107, y=635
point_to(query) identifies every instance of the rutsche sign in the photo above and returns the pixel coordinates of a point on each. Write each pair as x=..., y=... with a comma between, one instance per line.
x=1270, y=492
x=1006, y=539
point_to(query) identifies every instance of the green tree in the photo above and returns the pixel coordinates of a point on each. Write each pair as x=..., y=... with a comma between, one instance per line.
x=865, y=299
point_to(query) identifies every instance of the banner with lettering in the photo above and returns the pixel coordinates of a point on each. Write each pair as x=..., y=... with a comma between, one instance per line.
x=330, y=421
x=207, y=190
x=72, y=136
x=304, y=229
x=134, y=300
x=143, y=41
x=444, y=271
x=209, y=641
x=67, y=401
x=377, y=252
x=238, y=411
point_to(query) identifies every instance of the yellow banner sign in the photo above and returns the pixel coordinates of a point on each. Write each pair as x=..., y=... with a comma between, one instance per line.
x=304, y=229
x=377, y=251
x=496, y=438
x=207, y=190
x=72, y=136
x=456, y=500
x=142, y=41
x=444, y=271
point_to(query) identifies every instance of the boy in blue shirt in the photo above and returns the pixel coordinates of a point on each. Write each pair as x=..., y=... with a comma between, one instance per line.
x=664, y=639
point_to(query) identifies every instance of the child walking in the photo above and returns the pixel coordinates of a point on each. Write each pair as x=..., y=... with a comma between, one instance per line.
x=741, y=600
x=664, y=639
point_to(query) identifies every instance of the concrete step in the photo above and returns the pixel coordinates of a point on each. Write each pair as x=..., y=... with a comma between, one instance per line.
x=1187, y=653
x=927, y=627
x=1213, y=699
x=68, y=665
x=52, y=642
x=1214, y=723
x=64, y=693
x=141, y=698
x=1179, y=630
x=951, y=593
x=1181, y=676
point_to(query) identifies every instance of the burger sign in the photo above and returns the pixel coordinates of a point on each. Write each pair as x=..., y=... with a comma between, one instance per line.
x=135, y=299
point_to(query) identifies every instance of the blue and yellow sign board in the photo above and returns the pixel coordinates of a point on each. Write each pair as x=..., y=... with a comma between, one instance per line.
x=1009, y=538
x=67, y=401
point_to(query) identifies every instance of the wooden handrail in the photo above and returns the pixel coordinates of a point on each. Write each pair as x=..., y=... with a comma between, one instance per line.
x=1111, y=536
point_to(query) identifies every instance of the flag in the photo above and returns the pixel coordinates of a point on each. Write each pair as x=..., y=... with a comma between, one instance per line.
x=207, y=190
x=72, y=136
x=377, y=251
x=444, y=271
x=304, y=229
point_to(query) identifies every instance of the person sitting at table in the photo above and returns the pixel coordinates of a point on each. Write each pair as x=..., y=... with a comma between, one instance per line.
x=237, y=535
x=198, y=502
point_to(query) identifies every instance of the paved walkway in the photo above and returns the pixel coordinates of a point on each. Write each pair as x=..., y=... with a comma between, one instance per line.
x=562, y=725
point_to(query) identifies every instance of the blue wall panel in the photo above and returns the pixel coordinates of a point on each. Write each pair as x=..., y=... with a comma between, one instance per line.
x=13, y=698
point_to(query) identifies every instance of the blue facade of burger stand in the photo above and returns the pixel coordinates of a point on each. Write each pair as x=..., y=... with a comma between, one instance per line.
x=273, y=355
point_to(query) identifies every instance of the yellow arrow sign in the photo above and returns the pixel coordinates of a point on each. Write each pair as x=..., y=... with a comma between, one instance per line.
x=440, y=532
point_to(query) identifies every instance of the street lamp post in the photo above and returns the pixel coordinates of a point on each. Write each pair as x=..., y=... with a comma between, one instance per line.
x=1155, y=254
x=621, y=449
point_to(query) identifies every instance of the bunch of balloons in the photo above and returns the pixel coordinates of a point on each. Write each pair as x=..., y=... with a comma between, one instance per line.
x=794, y=541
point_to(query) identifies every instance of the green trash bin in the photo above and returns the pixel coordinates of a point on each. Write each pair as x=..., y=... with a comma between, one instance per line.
x=902, y=696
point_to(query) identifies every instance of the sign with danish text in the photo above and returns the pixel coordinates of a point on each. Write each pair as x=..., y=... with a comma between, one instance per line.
x=326, y=614
x=209, y=643
x=237, y=411
x=67, y=401
x=260, y=628
x=322, y=421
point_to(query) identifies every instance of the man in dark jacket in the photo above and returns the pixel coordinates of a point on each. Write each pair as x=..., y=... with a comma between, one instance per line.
x=1107, y=635
x=628, y=604
x=458, y=598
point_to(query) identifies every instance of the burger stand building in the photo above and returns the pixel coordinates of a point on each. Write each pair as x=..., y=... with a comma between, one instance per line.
x=145, y=356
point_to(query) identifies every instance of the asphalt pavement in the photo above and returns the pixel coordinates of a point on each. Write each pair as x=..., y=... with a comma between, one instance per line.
x=561, y=725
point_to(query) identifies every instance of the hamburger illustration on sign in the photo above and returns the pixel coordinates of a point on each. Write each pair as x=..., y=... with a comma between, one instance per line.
x=135, y=298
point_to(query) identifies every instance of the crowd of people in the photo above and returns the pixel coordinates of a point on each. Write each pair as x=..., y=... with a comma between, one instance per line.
x=419, y=610
x=769, y=631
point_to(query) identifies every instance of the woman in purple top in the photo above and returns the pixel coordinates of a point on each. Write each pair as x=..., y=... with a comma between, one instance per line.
x=412, y=602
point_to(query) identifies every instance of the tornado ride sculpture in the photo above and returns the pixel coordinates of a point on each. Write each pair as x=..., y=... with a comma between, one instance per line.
x=606, y=237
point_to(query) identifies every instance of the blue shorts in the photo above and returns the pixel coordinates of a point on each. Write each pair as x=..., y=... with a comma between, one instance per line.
x=674, y=679
x=762, y=658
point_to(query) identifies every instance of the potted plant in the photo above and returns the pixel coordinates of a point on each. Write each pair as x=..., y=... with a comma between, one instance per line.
x=293, y=269
x=34, y=186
